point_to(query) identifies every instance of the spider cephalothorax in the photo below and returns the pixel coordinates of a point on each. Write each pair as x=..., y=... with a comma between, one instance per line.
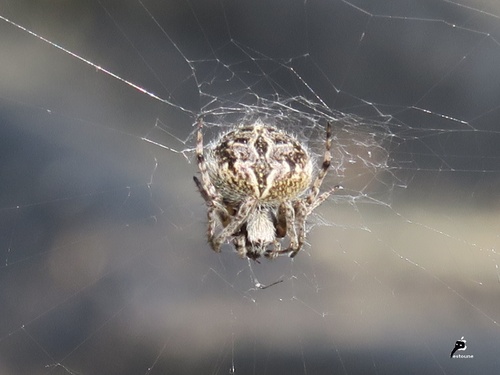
x=258, y=184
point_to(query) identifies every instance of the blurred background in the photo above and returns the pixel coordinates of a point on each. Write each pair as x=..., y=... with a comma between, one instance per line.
x=104, y=265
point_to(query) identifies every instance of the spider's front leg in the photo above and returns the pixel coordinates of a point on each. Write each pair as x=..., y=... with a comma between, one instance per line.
x=234, y=222
x=292, y=219
x=239, y=243
x=282, y=227
x=216, y=212
x=300, y=210
x=213, y=215
x=272, y=254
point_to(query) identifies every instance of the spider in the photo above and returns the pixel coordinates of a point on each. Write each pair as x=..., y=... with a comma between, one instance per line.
x=258, y=184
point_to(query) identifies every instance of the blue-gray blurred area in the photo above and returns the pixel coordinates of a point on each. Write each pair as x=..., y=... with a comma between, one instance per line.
x=104, y=266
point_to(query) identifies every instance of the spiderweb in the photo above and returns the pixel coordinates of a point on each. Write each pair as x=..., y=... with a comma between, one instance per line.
x=105, y=266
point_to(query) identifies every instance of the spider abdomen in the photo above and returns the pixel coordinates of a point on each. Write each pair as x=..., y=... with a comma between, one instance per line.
x=259, y=161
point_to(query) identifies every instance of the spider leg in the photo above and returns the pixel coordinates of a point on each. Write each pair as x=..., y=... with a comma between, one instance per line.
x=276, y=250
x=201, y=189
x=295, y=217
x=240, y=245
x=280, y=226
x=322, y=198
x=205, y=186
x=280, y=222
x=272, y=254
x=212, y=220
x=290, y=227
x=327, y=157
x=300, y=224
x=216, y=212
x=235, y=222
